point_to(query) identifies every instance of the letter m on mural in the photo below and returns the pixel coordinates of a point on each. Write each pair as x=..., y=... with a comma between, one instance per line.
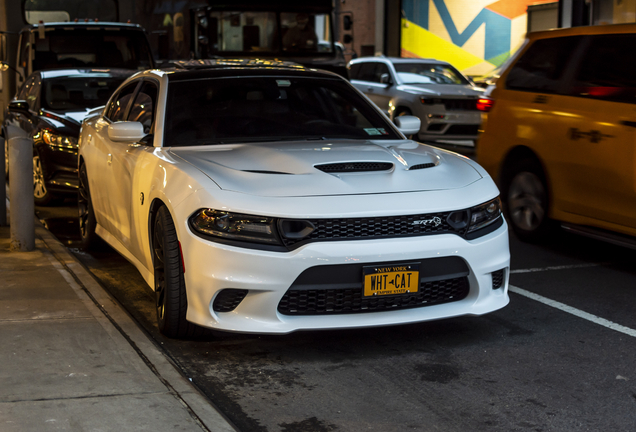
x=473, y=35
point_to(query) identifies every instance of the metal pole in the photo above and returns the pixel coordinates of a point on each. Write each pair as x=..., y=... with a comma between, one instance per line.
x=3, y=191
x=22, y=209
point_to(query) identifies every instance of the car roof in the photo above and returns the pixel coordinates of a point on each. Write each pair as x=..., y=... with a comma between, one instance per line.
x=214, y=68
x=84, y=25
x=85, y=72
x=398, y=60
x=585, y=30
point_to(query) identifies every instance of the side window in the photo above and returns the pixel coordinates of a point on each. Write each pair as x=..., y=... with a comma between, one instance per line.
x=32, y=96
x=24, y=50
x=354, y=72
x=381, y=69
x=24, y=90
x=143, y=108
x=605, y=71
x=118, y=106
x=367, y=71
x=541, y=67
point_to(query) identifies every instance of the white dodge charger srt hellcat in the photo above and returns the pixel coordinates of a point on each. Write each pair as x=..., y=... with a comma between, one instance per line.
x=264, y=197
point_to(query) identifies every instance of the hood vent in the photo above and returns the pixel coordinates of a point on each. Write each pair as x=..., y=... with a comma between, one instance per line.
x=422, y=166
x=349, y=167
x=266, y=172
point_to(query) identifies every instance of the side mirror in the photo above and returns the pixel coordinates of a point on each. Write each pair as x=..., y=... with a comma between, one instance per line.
x=385, y=78
x=126, y=131
x=20, y=106
x=408, y=125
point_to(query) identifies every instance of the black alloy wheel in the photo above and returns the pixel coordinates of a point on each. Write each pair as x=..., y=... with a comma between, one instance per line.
x=41, y=195
x=86, y=215
x=170, y=293
x=527, y=202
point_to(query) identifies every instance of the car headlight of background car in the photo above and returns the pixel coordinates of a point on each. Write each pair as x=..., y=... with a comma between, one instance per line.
x=59, y=141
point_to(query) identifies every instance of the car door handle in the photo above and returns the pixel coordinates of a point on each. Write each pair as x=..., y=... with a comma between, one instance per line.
x=370, y=89
x=628, y=123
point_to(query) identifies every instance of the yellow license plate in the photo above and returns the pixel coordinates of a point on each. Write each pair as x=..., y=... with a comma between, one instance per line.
x=391, y=279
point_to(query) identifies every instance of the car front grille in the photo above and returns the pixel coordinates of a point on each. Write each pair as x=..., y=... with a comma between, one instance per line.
x=460, y=104
x=338, y=289
x=377, y=227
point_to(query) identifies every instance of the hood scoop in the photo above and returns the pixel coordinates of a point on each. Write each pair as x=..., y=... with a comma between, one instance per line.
x=351, y=167
x=422, y=166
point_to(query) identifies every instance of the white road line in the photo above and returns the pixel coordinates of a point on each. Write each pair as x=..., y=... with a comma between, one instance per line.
x=577, y=312
x=563, y=267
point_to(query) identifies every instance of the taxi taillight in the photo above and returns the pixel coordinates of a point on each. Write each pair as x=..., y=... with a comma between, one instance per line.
x=485, y=104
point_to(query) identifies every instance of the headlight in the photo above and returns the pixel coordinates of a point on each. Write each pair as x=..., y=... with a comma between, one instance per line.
x=484, y=214
x=62, y=141
x=234, y=226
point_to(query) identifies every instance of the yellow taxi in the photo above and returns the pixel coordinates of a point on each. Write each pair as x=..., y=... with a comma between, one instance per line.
x=559, y=133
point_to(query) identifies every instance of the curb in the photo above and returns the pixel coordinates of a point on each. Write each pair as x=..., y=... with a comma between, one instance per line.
x=116, y=321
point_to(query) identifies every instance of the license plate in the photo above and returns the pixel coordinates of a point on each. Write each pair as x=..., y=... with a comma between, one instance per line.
x=391, y=279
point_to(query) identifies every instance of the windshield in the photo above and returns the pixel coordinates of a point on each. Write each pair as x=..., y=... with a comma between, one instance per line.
x=424, y=73
x=234, y=110
x=98, y=47
x=222, y=32
x=75, y=93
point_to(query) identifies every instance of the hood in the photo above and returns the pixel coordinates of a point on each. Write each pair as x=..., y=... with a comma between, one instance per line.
x=288, y=169
x=69, y=118
x=443, y=90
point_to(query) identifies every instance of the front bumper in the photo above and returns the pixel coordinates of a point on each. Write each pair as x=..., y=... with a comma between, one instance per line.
x=449, y=125
x=212, y=267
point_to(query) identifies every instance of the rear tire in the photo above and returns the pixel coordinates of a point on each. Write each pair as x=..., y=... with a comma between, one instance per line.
x=170, y=292
x=527, y=202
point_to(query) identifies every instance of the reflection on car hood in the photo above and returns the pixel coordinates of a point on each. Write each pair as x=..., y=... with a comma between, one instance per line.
x=287, y=169
x=77, y=116
x=452, y=90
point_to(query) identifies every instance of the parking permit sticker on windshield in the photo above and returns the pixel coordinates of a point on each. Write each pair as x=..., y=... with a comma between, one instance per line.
x=283, y=83
x=376, y=131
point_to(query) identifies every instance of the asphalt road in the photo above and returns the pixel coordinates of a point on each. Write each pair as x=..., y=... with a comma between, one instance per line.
x=560, y=357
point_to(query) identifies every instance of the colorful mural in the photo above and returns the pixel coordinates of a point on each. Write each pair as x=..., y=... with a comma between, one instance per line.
x=474, y=35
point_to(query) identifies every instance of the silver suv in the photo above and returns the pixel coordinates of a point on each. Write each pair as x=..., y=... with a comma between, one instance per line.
x=444, y=99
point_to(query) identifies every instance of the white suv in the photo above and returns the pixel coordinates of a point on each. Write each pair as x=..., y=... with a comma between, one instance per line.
x=433, y=90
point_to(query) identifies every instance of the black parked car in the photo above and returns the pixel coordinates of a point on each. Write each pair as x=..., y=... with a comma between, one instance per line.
x=49, y=109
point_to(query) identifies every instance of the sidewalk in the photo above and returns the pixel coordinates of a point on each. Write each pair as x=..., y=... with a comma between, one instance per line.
x=71, y=359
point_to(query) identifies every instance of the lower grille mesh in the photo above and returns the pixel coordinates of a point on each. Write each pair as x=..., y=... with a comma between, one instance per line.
x=497, y=279
x=350, y=300
x=228, y=299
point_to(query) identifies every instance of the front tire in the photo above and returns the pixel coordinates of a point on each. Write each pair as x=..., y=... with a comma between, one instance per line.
x=527, y=202
x=87, y=221
x=41, y=195
x=170, y=292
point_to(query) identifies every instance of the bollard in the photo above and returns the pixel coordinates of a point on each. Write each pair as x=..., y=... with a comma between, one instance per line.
x=22, y=209
x=3, y=185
